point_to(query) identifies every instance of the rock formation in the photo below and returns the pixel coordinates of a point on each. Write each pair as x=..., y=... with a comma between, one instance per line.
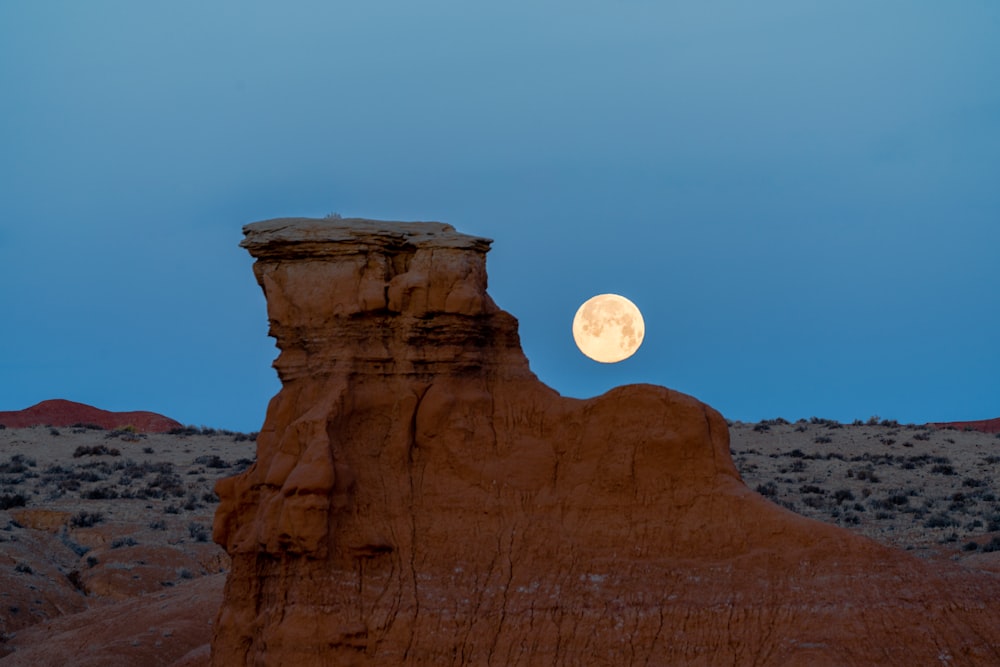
x=60, y=412
x=420, y=498
x=984, y=425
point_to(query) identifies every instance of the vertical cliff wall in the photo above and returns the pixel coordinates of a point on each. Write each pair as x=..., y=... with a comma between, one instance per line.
x=420, y=498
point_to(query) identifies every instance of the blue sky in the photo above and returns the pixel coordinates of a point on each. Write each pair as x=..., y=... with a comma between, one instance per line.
x=802, y=197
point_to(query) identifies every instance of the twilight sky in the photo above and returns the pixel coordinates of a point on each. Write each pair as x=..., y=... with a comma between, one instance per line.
x=802, y=197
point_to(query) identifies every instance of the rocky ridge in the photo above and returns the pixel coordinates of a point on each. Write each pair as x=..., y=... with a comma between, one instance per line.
x=419, y=497
x=60, y=412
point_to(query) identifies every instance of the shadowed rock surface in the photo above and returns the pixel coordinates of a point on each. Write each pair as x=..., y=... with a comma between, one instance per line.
x=420, y=498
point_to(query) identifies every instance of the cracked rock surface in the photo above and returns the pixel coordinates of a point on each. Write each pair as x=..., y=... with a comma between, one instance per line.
x=421, y=498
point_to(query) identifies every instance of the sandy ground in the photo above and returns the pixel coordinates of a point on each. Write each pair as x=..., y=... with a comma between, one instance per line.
x=925, y=490
x=98, y=525
x=93, y=519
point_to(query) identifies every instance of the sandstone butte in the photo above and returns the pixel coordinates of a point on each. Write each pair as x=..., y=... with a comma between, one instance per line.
x=60, y=412
x=421, y=498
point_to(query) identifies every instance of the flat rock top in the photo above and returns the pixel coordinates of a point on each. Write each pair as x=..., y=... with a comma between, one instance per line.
x=284, y=232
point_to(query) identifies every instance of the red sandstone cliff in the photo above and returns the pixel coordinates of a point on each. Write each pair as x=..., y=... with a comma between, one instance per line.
x=420, y=498
x=984, y=425
x=60, y=412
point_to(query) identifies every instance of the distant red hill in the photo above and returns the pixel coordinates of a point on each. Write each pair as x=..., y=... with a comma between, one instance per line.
x=984, y=425
x=59, y=412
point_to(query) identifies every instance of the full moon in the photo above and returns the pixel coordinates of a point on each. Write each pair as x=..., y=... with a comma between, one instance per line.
x=608, y=328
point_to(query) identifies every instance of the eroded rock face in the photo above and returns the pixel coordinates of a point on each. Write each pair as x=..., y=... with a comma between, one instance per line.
x=420, y=498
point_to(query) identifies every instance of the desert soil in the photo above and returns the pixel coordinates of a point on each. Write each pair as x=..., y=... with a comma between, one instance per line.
x=106, y=554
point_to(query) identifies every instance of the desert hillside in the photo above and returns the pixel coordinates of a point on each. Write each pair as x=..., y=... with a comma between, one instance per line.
x=95, y=524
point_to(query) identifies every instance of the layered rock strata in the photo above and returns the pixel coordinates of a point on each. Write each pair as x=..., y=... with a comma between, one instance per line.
x=421, y=498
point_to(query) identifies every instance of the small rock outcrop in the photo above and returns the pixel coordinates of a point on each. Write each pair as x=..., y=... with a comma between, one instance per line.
x=60, y=412
x=421, y=498
x=984, y=425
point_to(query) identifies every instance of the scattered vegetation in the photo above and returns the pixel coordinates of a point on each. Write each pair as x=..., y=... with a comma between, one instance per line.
x=86, y=519
x=96, y=450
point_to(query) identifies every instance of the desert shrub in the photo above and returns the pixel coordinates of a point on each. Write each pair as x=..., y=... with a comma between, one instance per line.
x=970, y=546
x=158, y=524
x=15, y=466
x=815, y=502
x=92, y=427
x=185, y=573
x=212, y=461
x=887, y=441
x=147, y=450
x=797, y=466
x=898, y=498
x=198, y=532
x=169, y=483
x=811, y=488
x=69, y=485
x=96, y=450
x=992, y=545
x=120, y=542
x=822, y=439
x=840, y=495
x=972, y=482
x=209, y=497
x=852, y=519
x=768, y=490
x=23, y=567
x=883, y=515
x=761, y=427
x=939, y=520
x=16, y=500
x=921, y=436
x=867, y=475
x=101, y=493
x=172, y=509
x=191, y=503
x=86, y=519
x=54, y=431
x=943, y=469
